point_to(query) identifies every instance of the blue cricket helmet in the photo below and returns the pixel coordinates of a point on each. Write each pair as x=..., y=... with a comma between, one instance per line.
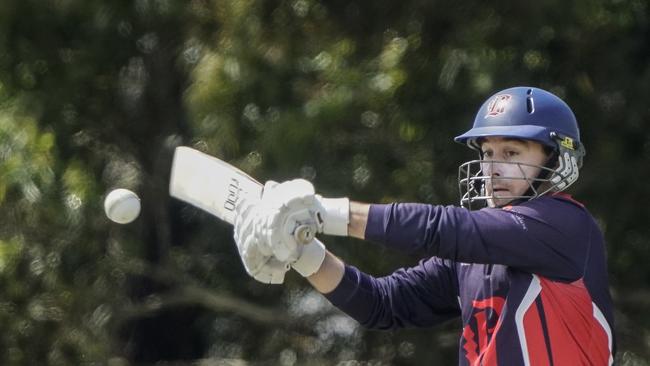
x=526, y=113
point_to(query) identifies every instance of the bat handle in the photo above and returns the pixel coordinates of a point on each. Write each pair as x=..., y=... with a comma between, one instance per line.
x=304, y=233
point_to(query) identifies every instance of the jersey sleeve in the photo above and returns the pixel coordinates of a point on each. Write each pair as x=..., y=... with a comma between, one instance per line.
x=420, y=296
x=546, y=238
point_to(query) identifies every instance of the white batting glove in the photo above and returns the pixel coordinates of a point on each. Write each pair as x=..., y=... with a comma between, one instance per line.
x=294, y=213
x=257, y=257
x=331, y=215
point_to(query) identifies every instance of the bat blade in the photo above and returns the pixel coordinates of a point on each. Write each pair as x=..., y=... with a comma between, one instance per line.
x=209, y=183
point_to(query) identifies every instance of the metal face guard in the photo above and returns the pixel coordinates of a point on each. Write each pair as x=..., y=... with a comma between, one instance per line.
x=473, y=182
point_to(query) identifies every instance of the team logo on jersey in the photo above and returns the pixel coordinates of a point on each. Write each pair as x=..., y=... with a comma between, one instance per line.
x=498, y=105
x=479, y=345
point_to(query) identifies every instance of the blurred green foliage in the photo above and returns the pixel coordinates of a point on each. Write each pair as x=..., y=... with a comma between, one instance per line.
x=363, y=98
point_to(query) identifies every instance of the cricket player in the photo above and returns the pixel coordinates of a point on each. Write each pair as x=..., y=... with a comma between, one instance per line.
x=520, y=262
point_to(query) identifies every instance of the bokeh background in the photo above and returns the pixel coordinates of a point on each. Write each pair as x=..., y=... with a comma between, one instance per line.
x=361, y=97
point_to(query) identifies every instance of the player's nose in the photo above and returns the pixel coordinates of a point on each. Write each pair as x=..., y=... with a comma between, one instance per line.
x=492, y=168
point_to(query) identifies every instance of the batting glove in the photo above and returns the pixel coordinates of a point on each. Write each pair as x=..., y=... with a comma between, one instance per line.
x=257, y=257
x=294, y=214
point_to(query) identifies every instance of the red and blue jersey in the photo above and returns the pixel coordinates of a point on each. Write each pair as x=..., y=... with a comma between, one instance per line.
x=528, y=281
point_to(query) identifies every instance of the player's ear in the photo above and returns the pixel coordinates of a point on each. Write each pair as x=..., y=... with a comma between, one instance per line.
x=551, y=157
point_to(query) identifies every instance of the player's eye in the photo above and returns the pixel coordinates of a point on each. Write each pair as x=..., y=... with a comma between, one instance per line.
x=487, y=154
x=510, y=153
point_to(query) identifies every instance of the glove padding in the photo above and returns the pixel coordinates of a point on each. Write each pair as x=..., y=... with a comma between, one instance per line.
x=266, y=229
x=288, y=207
x=292, y=206
x=257, y=257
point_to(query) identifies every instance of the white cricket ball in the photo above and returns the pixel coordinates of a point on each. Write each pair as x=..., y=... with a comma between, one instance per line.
x=122, y=206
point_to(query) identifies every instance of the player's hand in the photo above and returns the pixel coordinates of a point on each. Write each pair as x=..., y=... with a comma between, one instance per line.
x=257, y=257
x=293, y=214
x=330, y=215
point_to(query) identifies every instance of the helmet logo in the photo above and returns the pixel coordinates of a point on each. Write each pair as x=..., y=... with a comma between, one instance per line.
x=498, y=105
x=568, y=143
x=564, y=141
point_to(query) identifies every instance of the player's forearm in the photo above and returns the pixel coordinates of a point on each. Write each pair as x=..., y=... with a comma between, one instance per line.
x=358, y=219
x=329, y=274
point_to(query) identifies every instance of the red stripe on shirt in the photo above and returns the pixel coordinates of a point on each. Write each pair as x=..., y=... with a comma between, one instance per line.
x=537, y=351
x=576, y=336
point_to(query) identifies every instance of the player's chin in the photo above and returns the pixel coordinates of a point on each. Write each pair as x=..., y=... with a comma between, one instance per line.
x=497, y=201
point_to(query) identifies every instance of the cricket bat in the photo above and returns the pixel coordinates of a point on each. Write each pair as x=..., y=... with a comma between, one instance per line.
x=217, y=187
x=209, y=183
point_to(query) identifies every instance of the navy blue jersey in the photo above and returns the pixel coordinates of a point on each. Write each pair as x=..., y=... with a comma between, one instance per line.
x=529, y=281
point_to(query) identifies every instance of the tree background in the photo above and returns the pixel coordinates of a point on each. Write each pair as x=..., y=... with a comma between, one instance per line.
x=361, y=97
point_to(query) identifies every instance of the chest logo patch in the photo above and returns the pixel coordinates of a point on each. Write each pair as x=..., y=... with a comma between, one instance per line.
x=480, y=348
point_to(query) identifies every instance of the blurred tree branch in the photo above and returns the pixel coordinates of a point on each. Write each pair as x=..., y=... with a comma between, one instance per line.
x=187, y=291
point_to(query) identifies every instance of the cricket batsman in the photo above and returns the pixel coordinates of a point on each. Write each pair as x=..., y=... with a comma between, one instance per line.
x=520, y=262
